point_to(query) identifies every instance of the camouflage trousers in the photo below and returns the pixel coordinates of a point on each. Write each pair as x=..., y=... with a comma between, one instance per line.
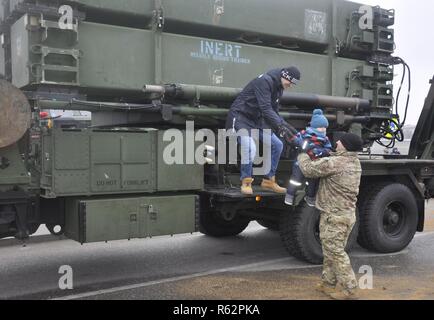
x=334, y=233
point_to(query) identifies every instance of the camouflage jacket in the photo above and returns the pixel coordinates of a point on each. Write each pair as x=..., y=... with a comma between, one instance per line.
x=340, y=181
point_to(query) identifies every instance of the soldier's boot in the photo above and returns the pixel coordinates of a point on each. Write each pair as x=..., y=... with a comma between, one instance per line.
x=325, y=288
x=344, y=294
x=246, y=187
x=270, y=184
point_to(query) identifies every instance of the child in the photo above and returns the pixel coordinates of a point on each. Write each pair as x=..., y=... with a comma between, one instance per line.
x=319, y=146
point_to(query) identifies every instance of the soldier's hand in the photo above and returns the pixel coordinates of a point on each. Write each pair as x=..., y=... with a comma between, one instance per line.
x=305, y=147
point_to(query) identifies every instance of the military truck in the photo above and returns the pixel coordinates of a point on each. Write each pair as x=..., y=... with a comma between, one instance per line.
x=159, y=77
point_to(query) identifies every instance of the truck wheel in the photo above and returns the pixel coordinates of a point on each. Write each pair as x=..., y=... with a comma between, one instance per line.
x=388, y=218
x=270, y=225
x=212, y=224
x=6, y=235
x=299, y=231
x=55, y=229
x=360, y=204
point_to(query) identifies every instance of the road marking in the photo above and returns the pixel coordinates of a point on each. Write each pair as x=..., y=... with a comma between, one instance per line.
x=247, y=267
x=186, y=277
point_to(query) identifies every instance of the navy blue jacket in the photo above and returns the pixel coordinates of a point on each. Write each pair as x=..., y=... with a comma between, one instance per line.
x=257, y=106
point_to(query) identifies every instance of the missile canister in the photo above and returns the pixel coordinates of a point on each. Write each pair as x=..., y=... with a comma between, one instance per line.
x=309, y=25
x=108, y=60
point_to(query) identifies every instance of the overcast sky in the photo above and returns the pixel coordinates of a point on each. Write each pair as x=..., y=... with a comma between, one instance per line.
x=414, y=37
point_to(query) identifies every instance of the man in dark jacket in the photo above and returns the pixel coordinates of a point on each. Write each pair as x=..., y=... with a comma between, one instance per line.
x=257, y=107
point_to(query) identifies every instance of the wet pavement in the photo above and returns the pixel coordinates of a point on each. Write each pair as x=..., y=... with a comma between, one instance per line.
x=252, y=266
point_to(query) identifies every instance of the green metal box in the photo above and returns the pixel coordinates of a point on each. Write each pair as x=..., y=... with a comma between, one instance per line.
x=42, y=52
x=177, y=177
x=15, y=173
x=117, y=161
x=85, y=162
x=95, y=220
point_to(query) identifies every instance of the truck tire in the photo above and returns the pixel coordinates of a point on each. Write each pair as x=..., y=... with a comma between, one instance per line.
x=360, y=204
x=6, y=235
x=270, y=225
x=299, y=232
x=212, y=224
x=388, y=218
x=52, y=228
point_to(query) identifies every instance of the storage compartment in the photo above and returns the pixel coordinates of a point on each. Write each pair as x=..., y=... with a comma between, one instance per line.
x=128, y=218
x=88, y=162
x=118, y=161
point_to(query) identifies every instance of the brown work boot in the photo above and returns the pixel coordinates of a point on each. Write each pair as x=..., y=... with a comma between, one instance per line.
x=325, y=288
x=344, y=294
x=246, y=187
x=272, y=185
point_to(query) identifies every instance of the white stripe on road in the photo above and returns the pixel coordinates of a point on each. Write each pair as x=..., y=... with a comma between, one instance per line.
x=186, y=277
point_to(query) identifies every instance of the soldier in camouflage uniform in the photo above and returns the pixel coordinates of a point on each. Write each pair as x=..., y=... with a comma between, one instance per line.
x=337, y=196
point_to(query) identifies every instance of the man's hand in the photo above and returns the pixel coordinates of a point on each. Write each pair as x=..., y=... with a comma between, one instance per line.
x=287, y=132
x=290, y=128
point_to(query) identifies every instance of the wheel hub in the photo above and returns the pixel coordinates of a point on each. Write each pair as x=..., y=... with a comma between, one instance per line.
x=393, y=218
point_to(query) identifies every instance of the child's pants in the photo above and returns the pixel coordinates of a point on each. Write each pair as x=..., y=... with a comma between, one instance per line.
x=297, y=181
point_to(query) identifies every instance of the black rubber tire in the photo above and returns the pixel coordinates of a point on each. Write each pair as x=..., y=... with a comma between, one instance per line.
x=32, y=229
x=51, y=226
x=299, y=232
x=360, y=204
x=6, y=235
x=270, y=225
x=211, y=224
x=373, y=235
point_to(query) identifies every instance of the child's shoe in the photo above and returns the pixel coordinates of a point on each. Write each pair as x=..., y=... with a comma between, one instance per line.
x=289, y=200
x=310, y=201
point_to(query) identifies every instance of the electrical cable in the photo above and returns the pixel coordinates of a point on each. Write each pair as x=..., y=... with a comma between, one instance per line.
x=408, y=95
x=406, y=68
x=387, y=128
x=400, y=88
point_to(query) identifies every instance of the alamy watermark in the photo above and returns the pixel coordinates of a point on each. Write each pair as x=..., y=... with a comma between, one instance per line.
x=66, y=281
x=366, y=282
x=66, y=21
x=200, y=147
x=366, y=21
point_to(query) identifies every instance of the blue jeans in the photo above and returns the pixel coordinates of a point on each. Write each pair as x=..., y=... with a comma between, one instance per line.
x=248, y=151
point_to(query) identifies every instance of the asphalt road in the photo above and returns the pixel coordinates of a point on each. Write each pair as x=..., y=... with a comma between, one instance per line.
x=251, y=266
